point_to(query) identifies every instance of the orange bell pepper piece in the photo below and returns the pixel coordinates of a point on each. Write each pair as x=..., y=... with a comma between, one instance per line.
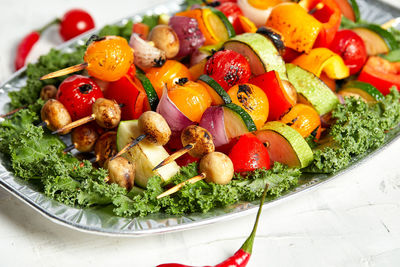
x=323, y=60
x=328, y=13
x=299, y=29
x=210, y=25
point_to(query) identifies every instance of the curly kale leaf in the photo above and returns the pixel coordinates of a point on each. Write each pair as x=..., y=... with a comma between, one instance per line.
x=119, y=30
x=202, y=196
x=359, y=127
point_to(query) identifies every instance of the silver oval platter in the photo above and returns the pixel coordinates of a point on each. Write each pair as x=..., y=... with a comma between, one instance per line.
x=102, y=221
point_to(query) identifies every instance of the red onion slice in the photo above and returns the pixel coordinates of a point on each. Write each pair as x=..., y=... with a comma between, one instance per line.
x=213, y=121
x=176, y=120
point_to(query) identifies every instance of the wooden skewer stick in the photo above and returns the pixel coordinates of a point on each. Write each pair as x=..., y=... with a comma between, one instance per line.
x=319, y=6
x=65, y=71
x=177, y=187
x=174, y=156
x=75, y=124
x=12, y=112
x=129, y=146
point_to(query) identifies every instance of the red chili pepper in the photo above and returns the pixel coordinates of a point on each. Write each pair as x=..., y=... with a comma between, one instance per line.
x=242, y=256
x=26, y=44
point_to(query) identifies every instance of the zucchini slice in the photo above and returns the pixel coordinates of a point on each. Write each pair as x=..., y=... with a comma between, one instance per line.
x=311, y=90
x=237, y=121
x=377, y=40
x=149, y=89
x=365, y=91
x=218, y=94
x=226, y=22
x=285, y=145
x=259, y=51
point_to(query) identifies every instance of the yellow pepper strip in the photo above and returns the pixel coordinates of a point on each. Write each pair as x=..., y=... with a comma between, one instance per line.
x=323, y=60
x=210, y=25
x=264, y=4
x=247, y=25
x=299, y=29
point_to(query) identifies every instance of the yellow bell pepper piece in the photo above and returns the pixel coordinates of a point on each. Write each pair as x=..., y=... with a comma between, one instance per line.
x=264, y=4
x=323, y=60
x=247, y=24
x=299, y=29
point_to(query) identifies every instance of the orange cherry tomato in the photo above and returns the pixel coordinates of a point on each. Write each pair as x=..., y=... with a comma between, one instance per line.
x=109, y=59
x=304, y=119
x=253, y=100
x=191, y=98
x=168, y=74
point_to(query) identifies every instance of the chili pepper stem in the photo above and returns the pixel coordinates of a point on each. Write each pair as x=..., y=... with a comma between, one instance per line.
x=48, y=25
x=248, y=244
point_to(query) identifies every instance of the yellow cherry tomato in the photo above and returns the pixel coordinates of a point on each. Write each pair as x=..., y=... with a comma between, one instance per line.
x=109, y=59
x=253, y=100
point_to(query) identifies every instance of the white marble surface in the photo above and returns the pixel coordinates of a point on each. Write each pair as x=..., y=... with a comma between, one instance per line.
x=351, y=221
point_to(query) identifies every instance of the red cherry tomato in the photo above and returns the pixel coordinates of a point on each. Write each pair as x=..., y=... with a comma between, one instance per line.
x=249, y=154
x=232, y=11
x=351, y=48
x=74, y=23
x=77, y=93
x=228, y=68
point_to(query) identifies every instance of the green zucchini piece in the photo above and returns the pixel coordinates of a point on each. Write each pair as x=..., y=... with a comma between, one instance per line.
x=259, y=51
x=148, y=87
x=217, y=88
x=361, y=89
x=311, y=90
x=371, y=33
x=248, y=121
x=225, y=21
x=285, y=144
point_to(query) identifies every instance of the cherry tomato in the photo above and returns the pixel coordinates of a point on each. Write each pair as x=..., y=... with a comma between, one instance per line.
x=249, y=154
x=232, y=11
x=77, y=93
x=109, y=58
x=228, y=68
x=74, y=23
x=351, y=48
x=191, y=98
x=168, y=74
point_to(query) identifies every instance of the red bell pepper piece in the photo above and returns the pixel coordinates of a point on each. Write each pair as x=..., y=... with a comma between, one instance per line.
x=141, y=29
x=271, y=84
x=249, y=154
x=232, y=11
x=328, y=13
x=381, y=73
x=125, y=92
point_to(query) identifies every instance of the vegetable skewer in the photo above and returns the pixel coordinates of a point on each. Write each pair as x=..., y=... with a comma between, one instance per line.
x=114, y=62
x=106, y=113
x=155, y=129
x=196, y=140
x=215, y=167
